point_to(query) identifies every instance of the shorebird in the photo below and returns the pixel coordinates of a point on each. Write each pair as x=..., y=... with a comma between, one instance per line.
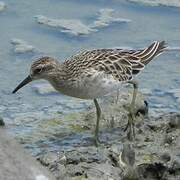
x=95, y=73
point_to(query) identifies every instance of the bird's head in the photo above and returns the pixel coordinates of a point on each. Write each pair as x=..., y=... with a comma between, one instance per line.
x=42, y=68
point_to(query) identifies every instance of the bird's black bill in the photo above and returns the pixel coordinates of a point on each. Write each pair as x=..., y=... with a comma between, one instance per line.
x=23, y=83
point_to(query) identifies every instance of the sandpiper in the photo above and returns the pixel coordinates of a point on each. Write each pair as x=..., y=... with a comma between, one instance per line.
x=93, y=74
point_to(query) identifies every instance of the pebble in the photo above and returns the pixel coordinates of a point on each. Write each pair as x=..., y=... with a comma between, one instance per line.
x=166, y=157
x=168, y=139
x=176, y=167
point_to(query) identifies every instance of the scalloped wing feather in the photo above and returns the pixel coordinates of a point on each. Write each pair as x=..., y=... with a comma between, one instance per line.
x=123, y=65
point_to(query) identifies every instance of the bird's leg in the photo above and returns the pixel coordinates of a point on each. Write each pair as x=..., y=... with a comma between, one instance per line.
x=98, y=113
x=131, y=116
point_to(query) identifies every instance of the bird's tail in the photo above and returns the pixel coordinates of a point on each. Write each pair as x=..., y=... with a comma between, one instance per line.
x=155, y=49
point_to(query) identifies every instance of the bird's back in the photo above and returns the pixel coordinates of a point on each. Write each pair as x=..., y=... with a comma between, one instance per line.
x=121, y=64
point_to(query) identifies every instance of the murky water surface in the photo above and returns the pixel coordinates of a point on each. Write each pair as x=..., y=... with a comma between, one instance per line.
x=28, y=111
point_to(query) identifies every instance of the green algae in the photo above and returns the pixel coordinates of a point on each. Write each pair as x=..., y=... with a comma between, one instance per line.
x=79, y=178
x=77, y=128
x=72, y=116
x=53, y=122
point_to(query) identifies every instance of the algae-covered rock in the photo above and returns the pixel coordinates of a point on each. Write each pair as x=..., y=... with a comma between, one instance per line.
x=146, y=160
x=70, y=137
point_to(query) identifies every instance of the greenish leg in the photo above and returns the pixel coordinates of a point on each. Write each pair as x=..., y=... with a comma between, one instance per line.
x=131, y=118
x=98, y=113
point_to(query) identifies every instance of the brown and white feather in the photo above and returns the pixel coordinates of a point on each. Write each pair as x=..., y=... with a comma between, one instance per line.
x=123, y=65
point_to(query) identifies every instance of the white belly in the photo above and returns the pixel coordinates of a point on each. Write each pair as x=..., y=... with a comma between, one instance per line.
x=97, y=85
x=98, y=88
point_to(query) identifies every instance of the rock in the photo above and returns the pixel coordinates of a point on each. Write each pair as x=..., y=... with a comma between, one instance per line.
x=103, y=171
x=175, y=169
x=2, y=122
x=21, y=46
x=88, y=162
x=48, y=160
x=59, y=171
x=166, y=157
x=168, y=139
x=90, y=154
x=174, y=122
x=17, y=164
x=131, y=175
x=151, y=171
x=143, y=110
x=2, y=6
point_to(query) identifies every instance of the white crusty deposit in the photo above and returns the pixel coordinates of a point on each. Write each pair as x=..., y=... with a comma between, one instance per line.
x=106, y=17
x=173, y=3
x=21, y=46
x=76, y=27
x=71, y=26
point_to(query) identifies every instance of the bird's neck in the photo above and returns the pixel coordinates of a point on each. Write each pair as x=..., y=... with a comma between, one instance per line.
x=58, y=76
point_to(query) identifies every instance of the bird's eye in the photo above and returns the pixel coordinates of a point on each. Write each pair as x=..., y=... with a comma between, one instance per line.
x=37, y=70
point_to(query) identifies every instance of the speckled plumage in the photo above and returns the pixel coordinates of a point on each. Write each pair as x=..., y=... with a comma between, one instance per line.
x=122, y=64
x=95, y=73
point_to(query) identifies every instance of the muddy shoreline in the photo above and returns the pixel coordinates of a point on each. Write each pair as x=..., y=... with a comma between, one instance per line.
x=153, y=155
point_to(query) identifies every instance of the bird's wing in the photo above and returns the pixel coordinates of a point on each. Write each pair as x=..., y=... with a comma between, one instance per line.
x=121, y=64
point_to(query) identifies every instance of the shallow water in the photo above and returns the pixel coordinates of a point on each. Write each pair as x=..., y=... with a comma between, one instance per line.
x=26, y=110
